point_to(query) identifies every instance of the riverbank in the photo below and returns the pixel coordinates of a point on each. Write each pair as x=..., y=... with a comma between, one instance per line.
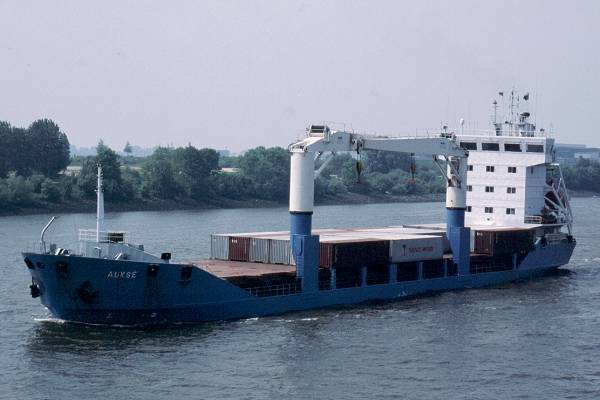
x=89, y=206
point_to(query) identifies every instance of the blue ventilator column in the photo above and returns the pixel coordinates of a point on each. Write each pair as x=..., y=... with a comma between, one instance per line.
x=456, y=205
x=305, y=247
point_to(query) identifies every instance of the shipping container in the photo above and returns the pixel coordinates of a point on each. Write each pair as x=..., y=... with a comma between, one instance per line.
x=348, y=277
x=378, y=274
x=281, y=252
x=408, y=271
x=417, y=248
x=433, y=269
x=347, y=254
x=260, y=250
x=219, y=247
x=239, y=248
x=501, y=242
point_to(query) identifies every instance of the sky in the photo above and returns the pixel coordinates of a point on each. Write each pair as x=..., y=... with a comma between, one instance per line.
x=239, y=74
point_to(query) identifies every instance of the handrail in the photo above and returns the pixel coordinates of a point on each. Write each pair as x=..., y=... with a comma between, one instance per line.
x=90, y=235
x=285, y=289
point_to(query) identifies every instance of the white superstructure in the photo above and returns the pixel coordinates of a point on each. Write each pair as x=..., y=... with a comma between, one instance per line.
x=512, y=177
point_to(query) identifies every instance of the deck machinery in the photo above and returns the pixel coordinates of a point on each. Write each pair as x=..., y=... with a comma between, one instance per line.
x=445, y=151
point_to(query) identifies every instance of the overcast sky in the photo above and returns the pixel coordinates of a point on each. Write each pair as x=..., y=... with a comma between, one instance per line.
x=237, y=74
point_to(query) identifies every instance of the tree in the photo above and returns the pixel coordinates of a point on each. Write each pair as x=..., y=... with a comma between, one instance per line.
x=386, y=161
x=51, y=191
x=111, y=173
x=5, y=150
x=49, y=147
x=128, y=149
x=269, y=170
x=194, y=167
x=159, y=175
x=21, y=152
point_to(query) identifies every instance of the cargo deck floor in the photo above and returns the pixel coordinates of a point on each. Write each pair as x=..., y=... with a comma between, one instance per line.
x=231, y=269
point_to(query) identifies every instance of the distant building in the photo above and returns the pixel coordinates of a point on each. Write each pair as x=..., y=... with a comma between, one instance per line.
x=593, y=155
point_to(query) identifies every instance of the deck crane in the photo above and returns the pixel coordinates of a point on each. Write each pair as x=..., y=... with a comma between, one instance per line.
x=446, y=152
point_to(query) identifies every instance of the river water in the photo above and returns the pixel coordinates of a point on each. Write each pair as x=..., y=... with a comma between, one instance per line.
x=535, y=339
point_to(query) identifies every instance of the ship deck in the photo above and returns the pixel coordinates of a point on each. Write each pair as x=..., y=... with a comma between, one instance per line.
x=234, y=269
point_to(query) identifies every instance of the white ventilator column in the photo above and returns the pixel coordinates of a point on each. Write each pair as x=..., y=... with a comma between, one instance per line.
x=456, y=192
x=302, y=191
x=99, y=207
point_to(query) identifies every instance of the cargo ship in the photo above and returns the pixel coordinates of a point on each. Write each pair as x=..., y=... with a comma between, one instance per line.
x=508, y=218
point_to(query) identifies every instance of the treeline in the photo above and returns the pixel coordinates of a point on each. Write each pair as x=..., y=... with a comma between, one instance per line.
x=33, y=172
x=583, y=176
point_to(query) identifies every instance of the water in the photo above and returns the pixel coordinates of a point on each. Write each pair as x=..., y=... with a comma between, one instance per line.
x=537, y=339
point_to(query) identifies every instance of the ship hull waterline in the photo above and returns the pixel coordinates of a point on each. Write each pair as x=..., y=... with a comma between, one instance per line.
x=108, y=292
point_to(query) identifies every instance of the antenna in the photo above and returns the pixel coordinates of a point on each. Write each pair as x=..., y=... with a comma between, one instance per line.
x=99, y=205
x=495, y=112
x=512, y=106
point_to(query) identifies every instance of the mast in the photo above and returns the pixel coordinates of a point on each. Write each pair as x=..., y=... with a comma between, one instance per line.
x=99, y=206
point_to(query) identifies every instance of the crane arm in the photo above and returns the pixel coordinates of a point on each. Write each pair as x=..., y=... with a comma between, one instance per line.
x=321, y=139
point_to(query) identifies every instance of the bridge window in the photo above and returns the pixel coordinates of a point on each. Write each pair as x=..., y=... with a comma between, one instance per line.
x=489, y=210
x=511, y=190
x=469, y=188
x=535, y=148
x=489, y=189
x=468, y=145
x=469, y=208
x=470, y=167
x=512, y=170
x=510, y=211
x=490, y=146
x=489, y=168
x=512, y=147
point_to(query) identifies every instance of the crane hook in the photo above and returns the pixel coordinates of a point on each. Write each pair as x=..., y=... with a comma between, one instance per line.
x=413, y=167
x=359, y=166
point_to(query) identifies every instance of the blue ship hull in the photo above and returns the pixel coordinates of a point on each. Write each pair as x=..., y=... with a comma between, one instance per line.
x=101, y=291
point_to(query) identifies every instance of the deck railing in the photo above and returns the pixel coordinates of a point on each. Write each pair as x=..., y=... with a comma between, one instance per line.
x=91, y=235
x=285, y=289
x=533, y=219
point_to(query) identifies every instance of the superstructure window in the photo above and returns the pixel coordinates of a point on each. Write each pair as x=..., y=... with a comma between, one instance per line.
x=469, y=188
x=490, y=146
x=535, y=148
x=489, y=210
x=512, y=147
x=489, y=189
x=511, y=190
x=489, y=168
x=470, y=167
x=468, y=145
x=469, y=208
x=510, y=211
x=512, y=170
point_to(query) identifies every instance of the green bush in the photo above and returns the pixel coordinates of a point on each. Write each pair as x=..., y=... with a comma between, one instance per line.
x=51, y=191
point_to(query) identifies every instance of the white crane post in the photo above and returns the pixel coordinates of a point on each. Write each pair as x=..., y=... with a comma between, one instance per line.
x=302, y=191
x=456, y=192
